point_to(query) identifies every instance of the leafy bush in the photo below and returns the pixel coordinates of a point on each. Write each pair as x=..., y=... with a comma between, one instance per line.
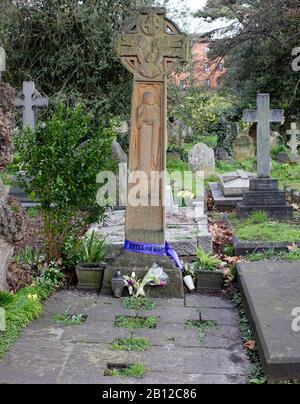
x=25, y=305
x=278, y=149
x=63, y=158
x=208, y=114
x=67, y=47
x=206, y=261
x=30, y=257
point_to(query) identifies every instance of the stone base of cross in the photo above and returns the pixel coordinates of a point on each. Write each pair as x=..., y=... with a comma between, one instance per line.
x=264, y=194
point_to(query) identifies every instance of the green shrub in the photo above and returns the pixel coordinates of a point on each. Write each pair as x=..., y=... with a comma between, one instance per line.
x=95, y=249
x=206, y=261
x=88, y=249
x=63, y=158
x=278, y=149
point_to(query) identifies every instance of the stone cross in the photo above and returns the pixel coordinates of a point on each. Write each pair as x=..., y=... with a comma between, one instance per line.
x=30, y=100
x=263, y=116
x=2, y=61
x=294, y=142
x=150, y=46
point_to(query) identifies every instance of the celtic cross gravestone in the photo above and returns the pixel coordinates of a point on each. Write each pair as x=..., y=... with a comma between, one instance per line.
x=150, y=46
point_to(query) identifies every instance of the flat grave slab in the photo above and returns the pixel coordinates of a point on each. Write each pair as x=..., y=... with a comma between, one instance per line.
x=219, y=198
x=183, y=232
x=270, y=291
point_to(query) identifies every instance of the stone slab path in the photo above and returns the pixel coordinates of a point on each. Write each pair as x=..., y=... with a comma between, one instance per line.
x=54, y=354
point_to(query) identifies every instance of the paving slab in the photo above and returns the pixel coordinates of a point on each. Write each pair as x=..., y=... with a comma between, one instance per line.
x=208, y=301
x=216, y=361
x=271, y=293
x=57, y=354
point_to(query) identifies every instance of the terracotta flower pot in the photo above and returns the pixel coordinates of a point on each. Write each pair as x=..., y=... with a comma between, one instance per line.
x=90, y=276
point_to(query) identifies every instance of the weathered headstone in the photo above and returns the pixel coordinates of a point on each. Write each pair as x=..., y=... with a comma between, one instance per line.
x=202, y=158
x=29, y=101
x=276, y=139
x=244, y=148
x=264, y=194
x=117, y=153
x=150, y=46
x=294, y=142
x=123, y=128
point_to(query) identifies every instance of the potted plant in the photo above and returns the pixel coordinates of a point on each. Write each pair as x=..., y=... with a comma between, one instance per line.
x=209, y=276
x=189, y=276
x=91, y=269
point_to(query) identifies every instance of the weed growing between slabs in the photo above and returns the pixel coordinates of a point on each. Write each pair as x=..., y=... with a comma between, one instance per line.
x=202, y=327
x=130, y=322
x=69, y=319
x=136, y=371
x=133, y=303
x=130, y=344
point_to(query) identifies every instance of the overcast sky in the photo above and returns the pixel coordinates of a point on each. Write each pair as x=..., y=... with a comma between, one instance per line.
x=196, y=25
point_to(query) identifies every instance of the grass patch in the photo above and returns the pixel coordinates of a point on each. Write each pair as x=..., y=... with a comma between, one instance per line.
x=135, y=371
x=130, y=344
x=69, y=319
x=135, y=322
x=202, y=327
x=259, y=227
x=272, y=231
x=133, y=303
x=25, y=306
x=269, y=255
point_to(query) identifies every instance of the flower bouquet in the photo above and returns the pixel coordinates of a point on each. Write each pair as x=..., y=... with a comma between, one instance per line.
x=154, y=277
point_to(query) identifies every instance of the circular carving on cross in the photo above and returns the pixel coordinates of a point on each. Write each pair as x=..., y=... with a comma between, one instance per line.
x=152, y=24
x=151, y=46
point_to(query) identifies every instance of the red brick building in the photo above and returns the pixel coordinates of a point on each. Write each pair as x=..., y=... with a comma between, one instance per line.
x=201, y=71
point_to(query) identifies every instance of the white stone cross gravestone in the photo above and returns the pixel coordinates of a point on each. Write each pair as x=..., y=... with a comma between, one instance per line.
x=2, y=61
x=29, y=100
x=294, y=142
x=263, y=116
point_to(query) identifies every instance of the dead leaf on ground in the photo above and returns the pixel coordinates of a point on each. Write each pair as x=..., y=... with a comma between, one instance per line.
x=251, y=345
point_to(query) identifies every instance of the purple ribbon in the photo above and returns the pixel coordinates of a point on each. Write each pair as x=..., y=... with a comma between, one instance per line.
x=153, y=249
